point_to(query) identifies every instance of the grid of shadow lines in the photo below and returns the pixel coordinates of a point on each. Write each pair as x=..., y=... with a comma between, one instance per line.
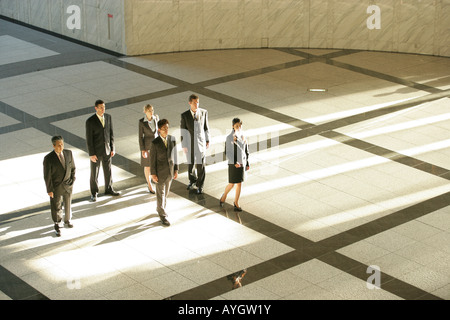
x=304, y=249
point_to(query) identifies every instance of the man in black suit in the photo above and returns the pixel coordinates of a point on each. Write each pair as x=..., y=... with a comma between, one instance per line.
x=163, y=166
x=59, y=176
x=100, y=144
x=195, y=140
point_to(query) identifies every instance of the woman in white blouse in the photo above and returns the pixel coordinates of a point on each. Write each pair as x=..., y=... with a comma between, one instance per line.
x=236, y=151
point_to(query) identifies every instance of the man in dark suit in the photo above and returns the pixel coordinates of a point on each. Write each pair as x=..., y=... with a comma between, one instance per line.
x=59, y=176
x=163, y=166
x=100, y=144
x=195, y=140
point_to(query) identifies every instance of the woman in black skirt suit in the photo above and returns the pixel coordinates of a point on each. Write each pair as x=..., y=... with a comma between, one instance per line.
x=236, y=151
x=148, y=130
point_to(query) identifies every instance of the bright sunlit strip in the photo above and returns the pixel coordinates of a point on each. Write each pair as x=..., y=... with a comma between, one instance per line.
x=297, y=179
x=279, y=153
x=403, y=126
x=436, y=146
x=277, y=128
x=393, y=204
x=347, y=113
x=87, y=258
x=219, y=136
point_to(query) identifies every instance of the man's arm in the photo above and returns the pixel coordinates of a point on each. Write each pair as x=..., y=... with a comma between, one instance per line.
x=73, y=169
x=111, y=137
x=90, y=141
x=185, y=135
x=89, y=138
x=48, y=177
x=153, y=162
x=206, y=129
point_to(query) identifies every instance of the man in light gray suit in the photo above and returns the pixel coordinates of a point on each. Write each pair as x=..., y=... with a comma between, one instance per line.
x=163, y=166
x=195, y=140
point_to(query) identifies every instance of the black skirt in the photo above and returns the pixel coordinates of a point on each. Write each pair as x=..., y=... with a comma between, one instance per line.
x=235, y=175
x=145, y=162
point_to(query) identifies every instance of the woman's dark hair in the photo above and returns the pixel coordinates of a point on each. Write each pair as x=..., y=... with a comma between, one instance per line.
x=236, y=120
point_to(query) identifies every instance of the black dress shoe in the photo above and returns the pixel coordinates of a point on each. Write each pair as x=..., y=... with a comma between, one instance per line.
x=190, y=186
x=112, y=192
x=68, y=225
x=199, y=191
x=165, y=222
x=236, y=208
x=57, y=230
x=220, y=202
x=93, y=197
x=151, y=191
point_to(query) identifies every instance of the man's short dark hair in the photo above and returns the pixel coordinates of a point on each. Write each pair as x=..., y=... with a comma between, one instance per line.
x=56, y=138
x=193, y=97
x=98, y=102
x=162, y=123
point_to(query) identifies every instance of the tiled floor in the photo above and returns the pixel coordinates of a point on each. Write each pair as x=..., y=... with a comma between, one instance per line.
x=342, y=183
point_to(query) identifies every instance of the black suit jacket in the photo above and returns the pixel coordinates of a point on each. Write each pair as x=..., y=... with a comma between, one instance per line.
x=99, y=140
x=163, y=161
x=58, y=179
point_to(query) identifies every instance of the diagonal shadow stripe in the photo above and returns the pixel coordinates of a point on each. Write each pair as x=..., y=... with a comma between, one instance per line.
x=328, y=59
x=388, y=154
x=16, y=288
x=383, y=76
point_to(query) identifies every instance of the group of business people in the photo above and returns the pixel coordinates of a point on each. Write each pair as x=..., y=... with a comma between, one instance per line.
x=158, y=158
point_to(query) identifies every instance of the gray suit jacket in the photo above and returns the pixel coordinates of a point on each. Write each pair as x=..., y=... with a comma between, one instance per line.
x=163, y=161
x=57, y=179
x=195, y=133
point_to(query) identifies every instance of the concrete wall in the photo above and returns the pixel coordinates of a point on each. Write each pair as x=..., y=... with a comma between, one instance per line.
x=415, y=26
x=96, y=27
x=153, y=26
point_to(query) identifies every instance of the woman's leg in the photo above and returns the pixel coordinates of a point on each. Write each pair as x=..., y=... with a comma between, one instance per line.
x=238, y=194
x=227, y=189
x=147, y=177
